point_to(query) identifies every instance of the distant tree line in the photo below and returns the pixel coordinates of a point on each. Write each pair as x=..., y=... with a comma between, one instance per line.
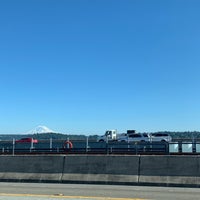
x=47, y=136
x=60, y=136
x=182, y=135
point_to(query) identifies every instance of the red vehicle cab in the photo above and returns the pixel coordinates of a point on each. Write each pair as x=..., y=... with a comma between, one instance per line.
x=26, y=140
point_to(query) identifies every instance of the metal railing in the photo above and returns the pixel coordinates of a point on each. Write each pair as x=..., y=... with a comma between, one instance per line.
x=93, y=147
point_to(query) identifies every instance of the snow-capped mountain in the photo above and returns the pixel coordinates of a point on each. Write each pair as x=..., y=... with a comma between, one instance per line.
x=40, y=129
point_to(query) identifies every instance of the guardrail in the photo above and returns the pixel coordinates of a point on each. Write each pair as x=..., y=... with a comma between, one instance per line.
x=91, y=147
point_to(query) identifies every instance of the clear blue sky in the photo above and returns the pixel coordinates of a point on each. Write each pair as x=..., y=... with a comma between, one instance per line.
x=84, y=66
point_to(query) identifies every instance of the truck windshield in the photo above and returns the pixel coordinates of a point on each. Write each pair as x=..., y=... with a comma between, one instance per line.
x=108, y=133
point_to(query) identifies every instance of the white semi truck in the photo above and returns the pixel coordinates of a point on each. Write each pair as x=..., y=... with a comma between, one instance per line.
x=112, y=135
x=132, y=136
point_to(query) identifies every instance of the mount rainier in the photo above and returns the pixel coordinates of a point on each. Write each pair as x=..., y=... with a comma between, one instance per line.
x=40, y=129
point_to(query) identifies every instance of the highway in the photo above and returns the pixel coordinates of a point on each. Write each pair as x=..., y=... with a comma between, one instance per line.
x=37, y=191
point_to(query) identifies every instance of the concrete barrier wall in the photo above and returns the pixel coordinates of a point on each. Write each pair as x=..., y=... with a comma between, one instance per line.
x=31, y=168
x=115, y=169
x=135, y=170
x=169, y=170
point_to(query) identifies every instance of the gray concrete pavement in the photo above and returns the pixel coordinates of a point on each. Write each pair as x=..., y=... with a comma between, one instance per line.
x=33, y=191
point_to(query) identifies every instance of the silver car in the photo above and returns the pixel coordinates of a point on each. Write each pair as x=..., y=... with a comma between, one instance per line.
x=160, y=137
x=137, y=137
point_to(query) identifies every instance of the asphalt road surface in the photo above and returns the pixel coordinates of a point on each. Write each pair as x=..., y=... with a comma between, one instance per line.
x=43, y=191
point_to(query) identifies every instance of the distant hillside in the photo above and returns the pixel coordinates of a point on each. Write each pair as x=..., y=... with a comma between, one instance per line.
x=181, y=135
x=46, y=136
x=60, y=136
